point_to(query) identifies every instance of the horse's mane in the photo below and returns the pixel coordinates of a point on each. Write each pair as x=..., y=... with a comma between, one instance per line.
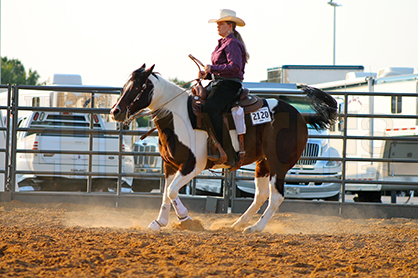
x=164, y=93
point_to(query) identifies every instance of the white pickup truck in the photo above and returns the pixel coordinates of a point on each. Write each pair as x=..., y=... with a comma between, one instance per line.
x=68, y=138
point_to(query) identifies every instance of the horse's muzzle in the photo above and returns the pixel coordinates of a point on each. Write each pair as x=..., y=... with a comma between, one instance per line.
x=117, y=114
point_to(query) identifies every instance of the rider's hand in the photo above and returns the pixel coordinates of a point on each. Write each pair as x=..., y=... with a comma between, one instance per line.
x=202, y=74
x=207, y=68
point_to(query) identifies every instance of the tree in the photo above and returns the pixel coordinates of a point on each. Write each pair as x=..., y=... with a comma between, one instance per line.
x=13, y=72
x=180, y=83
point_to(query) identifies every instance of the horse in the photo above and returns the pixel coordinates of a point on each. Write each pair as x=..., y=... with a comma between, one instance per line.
x=274, y=146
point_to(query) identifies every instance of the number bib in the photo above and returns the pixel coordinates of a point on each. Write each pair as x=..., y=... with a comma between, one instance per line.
x=261, y=116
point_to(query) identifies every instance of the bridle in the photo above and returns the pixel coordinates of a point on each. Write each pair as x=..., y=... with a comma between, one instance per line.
x=138, y=96
x=129, y=119
x=139, y=114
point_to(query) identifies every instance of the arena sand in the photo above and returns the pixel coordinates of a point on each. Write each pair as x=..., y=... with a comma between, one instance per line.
x=68, y=240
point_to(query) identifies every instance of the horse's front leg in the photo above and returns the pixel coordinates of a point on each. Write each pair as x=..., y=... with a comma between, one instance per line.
x=162, y=219
x=172, y=191
x=174, y=181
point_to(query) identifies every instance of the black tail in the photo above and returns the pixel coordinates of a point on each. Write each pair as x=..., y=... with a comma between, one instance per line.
x=324, y=105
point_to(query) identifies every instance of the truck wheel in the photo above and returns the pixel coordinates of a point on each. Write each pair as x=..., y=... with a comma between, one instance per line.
x=335, y=198
x=368, y=197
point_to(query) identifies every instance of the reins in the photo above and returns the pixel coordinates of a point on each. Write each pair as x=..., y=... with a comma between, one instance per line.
x=128, y=121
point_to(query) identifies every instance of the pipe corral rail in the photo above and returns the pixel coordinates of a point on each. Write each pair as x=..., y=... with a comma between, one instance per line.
x=153, y=199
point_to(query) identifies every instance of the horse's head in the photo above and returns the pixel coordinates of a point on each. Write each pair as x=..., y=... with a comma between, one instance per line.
x=136, y=95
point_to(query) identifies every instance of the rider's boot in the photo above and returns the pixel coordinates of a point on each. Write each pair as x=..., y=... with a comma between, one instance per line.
x=215, y=151
x=241, y=154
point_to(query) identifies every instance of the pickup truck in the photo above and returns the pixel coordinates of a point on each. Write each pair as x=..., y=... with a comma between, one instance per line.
x=318, y=176
x=68, y=138
x=149, y=165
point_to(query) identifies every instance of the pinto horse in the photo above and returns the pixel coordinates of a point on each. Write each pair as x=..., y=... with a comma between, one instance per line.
x=275, y=146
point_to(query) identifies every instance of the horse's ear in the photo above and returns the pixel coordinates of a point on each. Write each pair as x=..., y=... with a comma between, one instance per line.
x=151, y=69
x=143, y=66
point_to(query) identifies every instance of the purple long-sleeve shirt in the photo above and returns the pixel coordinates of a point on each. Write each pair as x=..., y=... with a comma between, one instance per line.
x=228, y=58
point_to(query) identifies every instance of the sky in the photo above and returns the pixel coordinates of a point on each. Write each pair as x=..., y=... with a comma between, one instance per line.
x=104, y=41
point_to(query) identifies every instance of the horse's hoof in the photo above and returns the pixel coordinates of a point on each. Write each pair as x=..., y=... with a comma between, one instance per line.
x=154, y=226
x=248, y=230
x=187, y=218
x=237, y=226
x=251, y=229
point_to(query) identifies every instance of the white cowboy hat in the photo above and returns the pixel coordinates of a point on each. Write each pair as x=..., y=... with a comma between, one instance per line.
x=228, y=15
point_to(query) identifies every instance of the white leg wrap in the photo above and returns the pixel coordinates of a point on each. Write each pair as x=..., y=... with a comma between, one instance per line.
x=180, y=209
x=164, y=214
x=155, y=226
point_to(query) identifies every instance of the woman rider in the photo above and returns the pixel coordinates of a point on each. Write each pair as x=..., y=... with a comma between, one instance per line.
x=227, y=73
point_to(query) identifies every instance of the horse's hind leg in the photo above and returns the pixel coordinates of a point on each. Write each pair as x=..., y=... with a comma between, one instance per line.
x=261, y=180
x=276, y=198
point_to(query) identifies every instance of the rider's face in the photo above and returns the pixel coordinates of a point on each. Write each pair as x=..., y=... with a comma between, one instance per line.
x=224, y=29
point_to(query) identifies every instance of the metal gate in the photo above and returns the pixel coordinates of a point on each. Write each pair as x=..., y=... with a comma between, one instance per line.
x=11, y=108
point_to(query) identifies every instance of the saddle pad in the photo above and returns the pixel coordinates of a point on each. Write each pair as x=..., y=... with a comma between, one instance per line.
x=250, y=103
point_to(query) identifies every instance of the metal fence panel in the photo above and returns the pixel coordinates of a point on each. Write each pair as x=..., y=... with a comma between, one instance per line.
x=148, y=155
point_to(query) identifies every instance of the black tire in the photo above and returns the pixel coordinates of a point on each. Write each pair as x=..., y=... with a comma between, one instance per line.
x=368, y=197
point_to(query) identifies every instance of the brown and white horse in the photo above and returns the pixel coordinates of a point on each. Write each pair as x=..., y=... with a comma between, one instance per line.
x=275, y=146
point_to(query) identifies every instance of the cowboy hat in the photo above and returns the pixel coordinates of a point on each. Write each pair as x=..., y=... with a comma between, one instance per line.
x=228, y=15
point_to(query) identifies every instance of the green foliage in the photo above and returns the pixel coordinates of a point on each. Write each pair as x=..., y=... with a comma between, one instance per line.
x=143, y=121
x=13, y=72
x=181, y=83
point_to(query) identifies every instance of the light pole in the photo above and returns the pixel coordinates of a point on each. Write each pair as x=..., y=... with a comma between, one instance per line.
x=335, y=5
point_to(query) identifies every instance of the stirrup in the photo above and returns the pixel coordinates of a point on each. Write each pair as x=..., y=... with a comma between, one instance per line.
x=219, y=158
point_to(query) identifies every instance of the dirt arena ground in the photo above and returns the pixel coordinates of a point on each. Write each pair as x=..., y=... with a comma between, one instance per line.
x=67, y=240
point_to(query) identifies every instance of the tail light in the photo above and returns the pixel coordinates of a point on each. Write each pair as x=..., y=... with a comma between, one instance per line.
x=36, y=116
x=123, y=147
x=96, y=119
x=35, y=146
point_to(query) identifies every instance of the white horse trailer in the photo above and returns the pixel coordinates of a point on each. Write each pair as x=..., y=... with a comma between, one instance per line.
x=391, y=80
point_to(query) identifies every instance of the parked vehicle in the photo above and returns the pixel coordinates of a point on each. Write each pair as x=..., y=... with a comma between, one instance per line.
x=69, y=138
x=312, y=175
x=393, y=80
x=308, y=74
x=147, y=164
x=396, y=148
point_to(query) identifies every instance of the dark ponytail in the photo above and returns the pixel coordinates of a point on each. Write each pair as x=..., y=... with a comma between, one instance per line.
x=239, y=37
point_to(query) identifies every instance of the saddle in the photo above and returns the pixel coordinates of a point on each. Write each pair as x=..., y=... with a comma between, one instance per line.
x=244, y=99
x=247, y=101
